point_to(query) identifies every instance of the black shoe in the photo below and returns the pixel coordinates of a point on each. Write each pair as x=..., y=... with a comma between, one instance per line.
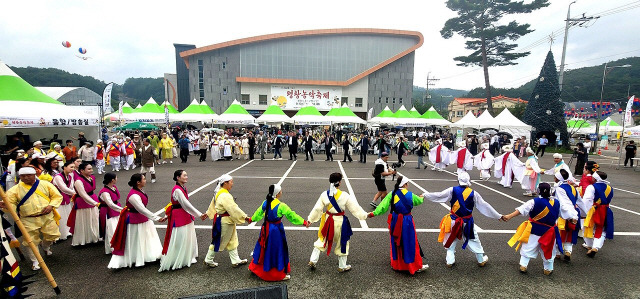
x=327, y=160
x=344, y=160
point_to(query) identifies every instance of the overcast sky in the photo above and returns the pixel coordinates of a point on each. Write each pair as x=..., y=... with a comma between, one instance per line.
x=135, y=38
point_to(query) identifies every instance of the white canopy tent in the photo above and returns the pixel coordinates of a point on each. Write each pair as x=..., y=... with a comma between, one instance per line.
x=468, y=121
x=512, y=125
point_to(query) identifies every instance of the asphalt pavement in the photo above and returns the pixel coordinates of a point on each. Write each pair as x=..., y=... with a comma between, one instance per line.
x=81, y=272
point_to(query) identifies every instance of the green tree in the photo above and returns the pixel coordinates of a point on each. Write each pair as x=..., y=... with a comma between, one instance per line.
x=518, y=110
x=544, y=111
x=479, y=21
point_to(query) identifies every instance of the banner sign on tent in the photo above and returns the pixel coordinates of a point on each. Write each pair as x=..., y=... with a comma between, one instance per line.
x=22, y=122
x=295, y=97
x=166, y=115
x=106, y=98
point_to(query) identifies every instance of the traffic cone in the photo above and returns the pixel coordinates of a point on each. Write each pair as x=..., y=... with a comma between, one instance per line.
x=599, y=152
x=606, y=147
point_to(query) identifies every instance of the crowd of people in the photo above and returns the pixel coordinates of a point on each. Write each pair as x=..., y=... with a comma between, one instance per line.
x=57, y=197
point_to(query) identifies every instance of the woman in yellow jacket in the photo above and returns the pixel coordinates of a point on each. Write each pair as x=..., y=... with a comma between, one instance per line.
x=166, y=145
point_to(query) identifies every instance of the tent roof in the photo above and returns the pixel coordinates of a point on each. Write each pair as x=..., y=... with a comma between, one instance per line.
x=611, y=124
x=432, y=114
x=194, y=108
x=14, y=88
x=469, y=120
x=505, y=118
x=308, y=110
x=414, y=112
x=235, y=108
x=273, y=110
x=172, y=110
x=386, y=112
x=576, y=123
x=274, y=114
x=151, y=107
x=126, y=108
x=402, y=113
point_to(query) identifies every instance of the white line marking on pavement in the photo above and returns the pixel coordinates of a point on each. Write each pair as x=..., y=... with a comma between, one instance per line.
x=363, y=223
x=207, y=184
x=636, y=193
x=442, y=204
x=620, y=208
x=314, y=229
x=284, y=176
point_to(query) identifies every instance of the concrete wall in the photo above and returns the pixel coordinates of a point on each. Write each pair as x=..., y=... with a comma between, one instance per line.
x=394, y=81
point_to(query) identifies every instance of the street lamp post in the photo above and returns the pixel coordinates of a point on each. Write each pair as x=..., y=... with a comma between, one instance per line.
x=606, y=70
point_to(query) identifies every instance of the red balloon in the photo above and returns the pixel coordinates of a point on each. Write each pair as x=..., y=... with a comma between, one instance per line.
x=66, y=44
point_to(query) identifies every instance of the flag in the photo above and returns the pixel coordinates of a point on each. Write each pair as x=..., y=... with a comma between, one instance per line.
x=120, y=110
x=370, y=113
x=166, y=115
x=106, y=98
x=628, y=119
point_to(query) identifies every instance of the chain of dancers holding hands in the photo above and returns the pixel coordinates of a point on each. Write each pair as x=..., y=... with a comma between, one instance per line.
x=73, y=206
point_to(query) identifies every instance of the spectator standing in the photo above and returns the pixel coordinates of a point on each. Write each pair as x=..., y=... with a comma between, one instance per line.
x=542, y=145
x=70, y=151
x=630, y=150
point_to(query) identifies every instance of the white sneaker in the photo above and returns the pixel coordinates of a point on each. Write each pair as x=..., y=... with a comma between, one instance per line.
x=48, y=251
x=211, y=264
x=345, y=269
x=424, y=267
x=35, y=266
x=153, y=181
x=164, y=162
x=170, y=162
x=286, y=277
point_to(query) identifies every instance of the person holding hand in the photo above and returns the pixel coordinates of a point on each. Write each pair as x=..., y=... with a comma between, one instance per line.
x=271, y=253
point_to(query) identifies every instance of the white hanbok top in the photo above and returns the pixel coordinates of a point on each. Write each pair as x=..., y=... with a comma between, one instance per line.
x=185, y=203
x=479, y=203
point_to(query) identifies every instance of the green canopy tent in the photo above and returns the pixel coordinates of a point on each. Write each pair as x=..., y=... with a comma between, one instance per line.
x=384, y=117
x=309, y=115
x=196, y=112
x=150, y=112
x=172, y=110
x=236, y=114
x=137, y=126
x=344, y=115
x=206, y=108
x=24, y=108
x=402, y=117
x=274, y=114
x=434, y=118
x=414, y=112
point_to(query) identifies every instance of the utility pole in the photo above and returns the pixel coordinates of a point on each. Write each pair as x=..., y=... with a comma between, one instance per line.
x=569, y=22
x=429, y=82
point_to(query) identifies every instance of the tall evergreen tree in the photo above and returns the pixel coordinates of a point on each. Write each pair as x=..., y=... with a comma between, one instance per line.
x=545, y=110
x=479, y=21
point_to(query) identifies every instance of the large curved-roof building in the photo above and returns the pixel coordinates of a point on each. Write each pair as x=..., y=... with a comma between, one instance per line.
x=364, y=68
x=73, y=96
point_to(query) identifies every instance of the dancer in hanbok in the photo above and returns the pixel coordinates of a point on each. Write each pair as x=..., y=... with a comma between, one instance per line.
x=462, y=158
x=271, y=253
x=557, y=158
x=135, y=241
x=166, y=145
x=459, y=223
x=406, y=253
x=83, y=219
x=568, y=230
x=599, y=222
x=483, y=161
x=215, y=149
x=129, y=151
x=507, y=167
x=539, y=234
x=334, y=224
x=180, y=246
x=114, y=155
x=99, y=156
x=439, y=156
x=226, y=215
x=530, y=178
x=109, y=209
x=64, y=182
x=227, y=148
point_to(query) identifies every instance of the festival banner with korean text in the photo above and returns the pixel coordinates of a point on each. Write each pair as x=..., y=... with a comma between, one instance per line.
x=294, y=97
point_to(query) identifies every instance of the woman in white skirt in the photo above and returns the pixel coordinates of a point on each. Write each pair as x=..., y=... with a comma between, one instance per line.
x=83, y=219
x=180, y=244
x=64, y=182
x=215, y=149
x=136, y=240
x=109, y=209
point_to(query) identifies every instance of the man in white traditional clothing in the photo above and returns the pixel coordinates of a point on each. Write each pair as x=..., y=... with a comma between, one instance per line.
x=483, y=161
x=439, y=156
x=507, y=167
x=530, y=177
x=459, y=222
x=227, y=148
x=557, y=158
x=226, y=215
x=334, y=225
x=35, y=201
x=462, y=158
